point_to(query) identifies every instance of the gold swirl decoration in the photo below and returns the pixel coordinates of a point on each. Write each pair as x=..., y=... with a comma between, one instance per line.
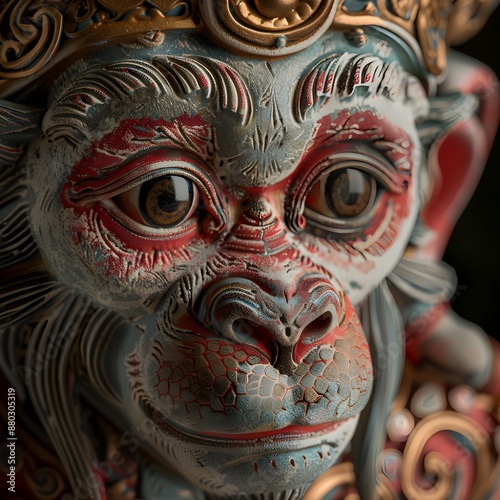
x=268, y=27
x=467, y=19
x=37, y=37
x=435, y=465
x=29, y=38
x=424, y=20
x=432, y=24
x=338, y=483
x=340, y=477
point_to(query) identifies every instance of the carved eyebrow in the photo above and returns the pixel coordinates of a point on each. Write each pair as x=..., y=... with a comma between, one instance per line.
x=339, y=75
x=216, y=79
x=164, y=75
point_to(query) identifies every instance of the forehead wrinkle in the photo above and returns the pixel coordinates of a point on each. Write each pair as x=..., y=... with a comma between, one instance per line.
x=340, y=75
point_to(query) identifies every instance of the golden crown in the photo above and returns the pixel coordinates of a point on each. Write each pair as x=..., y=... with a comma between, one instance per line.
x=37, y=35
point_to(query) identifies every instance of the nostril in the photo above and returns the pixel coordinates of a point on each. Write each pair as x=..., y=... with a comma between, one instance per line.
x=319, y=327
x=253, y=333
x=243, y=327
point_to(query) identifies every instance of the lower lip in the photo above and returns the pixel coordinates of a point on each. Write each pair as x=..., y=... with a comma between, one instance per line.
x=290, y=432
x=287, y=432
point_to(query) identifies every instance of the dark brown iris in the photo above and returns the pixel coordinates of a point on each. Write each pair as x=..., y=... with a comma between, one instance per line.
x=166, y=201
x=348, y=192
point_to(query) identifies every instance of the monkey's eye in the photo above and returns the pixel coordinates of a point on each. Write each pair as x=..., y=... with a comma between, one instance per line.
x=162, y=202
x=344, y=193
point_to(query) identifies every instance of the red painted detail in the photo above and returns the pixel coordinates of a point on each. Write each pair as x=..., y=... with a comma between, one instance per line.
x=116, y=180
x=80, y=100
x=168, y=242
x=320, y=82
x=136, y=150
x=357, y=75
x=201, y=361
x=302, y=312
x=461, y=157
x=216, y=344
x=133, y=136
x=346, y=133
x=236, y=101
x=208, y=374
x=349, y=328
x=272, y=307
x=257, y=237
x=107, y=238
x=365, y=126
x=287, y=432
x=308, y=93
x=478, y=79
x=462, y=154
x=331, y=80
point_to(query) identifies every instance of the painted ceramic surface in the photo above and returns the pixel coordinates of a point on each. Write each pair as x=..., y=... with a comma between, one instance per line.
x=217, y=263
x=247, y=352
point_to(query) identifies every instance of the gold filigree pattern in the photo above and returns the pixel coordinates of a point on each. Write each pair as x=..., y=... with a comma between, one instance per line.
x=446, y=451
x=260, y=15
x=467, y=18
x=433, y=23
x=417, y=18
x=35, y=36
x=338, y=480
x=443, y=446
x=436, y=464
x=378, y=13
x=29, y=36
x=245, y=25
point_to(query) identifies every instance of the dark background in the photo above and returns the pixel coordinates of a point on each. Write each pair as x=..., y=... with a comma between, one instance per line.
x=473, y=249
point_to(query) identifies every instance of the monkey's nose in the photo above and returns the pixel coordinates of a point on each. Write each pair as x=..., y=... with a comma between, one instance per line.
x=283, y=325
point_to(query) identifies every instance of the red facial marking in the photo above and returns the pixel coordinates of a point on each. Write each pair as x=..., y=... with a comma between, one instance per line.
x=102, y=238
x=345, y=133
x=116, y=162
x=380, y=132
x=132, y=136
x=349, y=327
x=197, y=383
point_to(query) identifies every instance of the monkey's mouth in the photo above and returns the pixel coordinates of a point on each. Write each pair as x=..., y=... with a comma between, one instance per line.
x=288, y=432
x=272, y=460
x=295, y=433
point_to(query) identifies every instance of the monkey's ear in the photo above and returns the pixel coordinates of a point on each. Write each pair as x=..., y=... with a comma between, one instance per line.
x=458, y=134
x=18, y=124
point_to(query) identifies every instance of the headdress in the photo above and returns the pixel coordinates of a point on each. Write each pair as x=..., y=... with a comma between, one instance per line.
x=37, y=35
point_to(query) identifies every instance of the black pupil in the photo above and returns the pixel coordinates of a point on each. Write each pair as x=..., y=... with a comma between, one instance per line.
x=348, y=192
x=166, y=201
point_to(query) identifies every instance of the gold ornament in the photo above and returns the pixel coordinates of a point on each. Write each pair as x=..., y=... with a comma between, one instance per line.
x=37, y=36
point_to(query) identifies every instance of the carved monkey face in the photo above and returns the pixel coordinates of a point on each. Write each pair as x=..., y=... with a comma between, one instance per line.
x=236, y=213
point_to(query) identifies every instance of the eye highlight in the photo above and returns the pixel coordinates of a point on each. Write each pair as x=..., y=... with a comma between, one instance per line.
x=345, y=193
x=162, y=202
